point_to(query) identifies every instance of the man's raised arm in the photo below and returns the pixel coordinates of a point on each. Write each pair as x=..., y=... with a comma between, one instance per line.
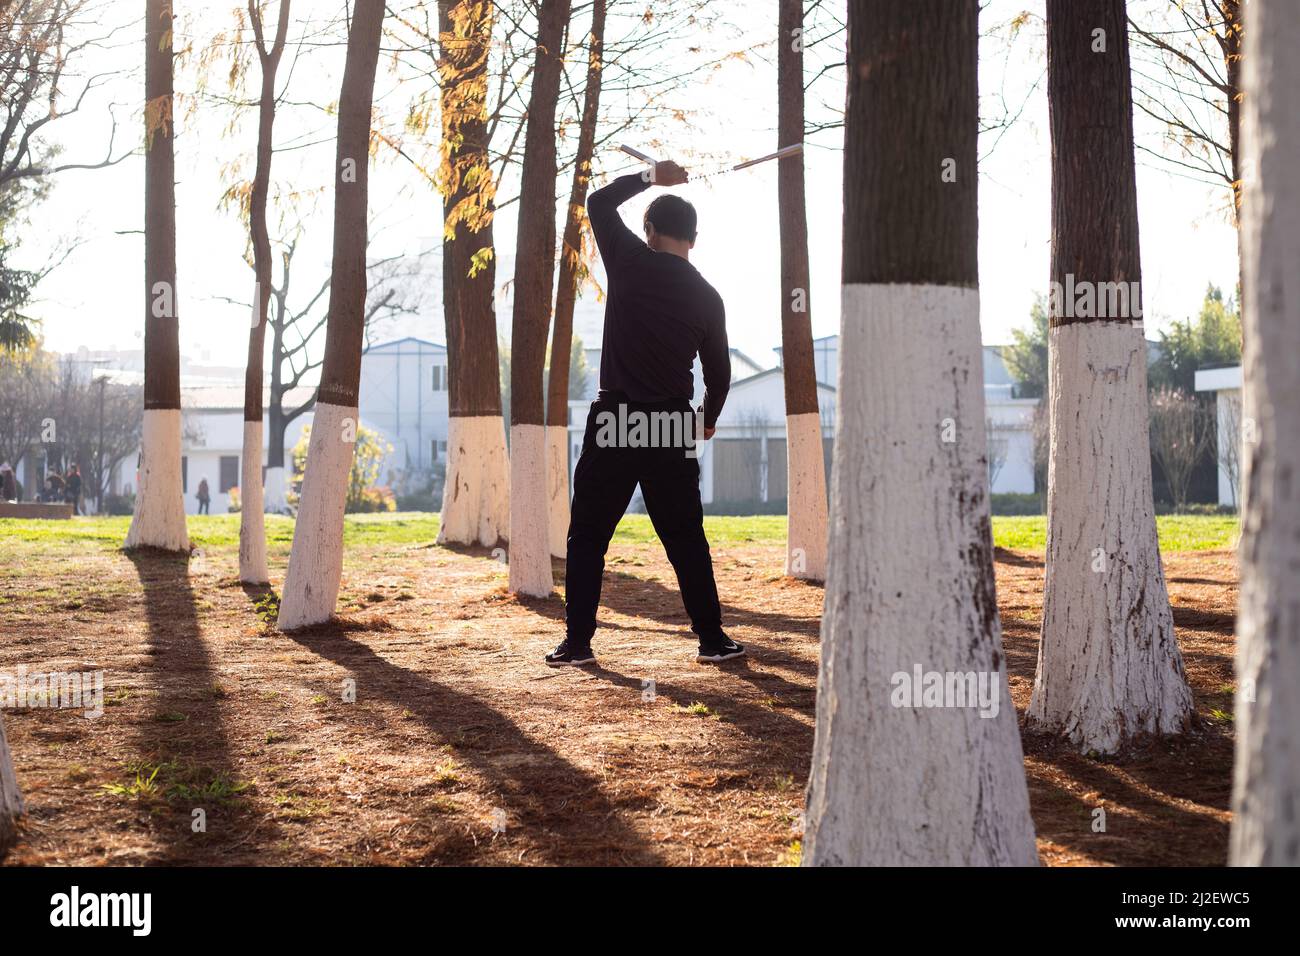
x=616, y=242
x=614, y=239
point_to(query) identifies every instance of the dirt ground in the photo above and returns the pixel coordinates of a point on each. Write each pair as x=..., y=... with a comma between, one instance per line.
x=461, y=748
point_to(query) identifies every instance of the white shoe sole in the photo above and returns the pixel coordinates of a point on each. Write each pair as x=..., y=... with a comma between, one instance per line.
x=582, y=663
x=718, y=658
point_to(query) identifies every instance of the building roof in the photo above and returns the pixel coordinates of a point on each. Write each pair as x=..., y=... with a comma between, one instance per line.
x=1223, y=378
x=750, y=379
x=398, y=343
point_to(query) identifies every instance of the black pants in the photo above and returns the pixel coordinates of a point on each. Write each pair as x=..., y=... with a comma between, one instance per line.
x=603, y=483
x=203, y=506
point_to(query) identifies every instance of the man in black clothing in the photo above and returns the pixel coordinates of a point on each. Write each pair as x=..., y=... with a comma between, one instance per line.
x=660, y=313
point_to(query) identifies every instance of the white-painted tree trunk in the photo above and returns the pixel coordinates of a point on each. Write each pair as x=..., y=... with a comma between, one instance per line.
x=557, y=488
x=530, y=551
x=311, y=584
x=1266, y=784
x=252, y=521
x=805, y=555
x=159, y=518
x=276, y=494
x=911, y=583
x=1109, y=668
x=476, y=496
x=11, y=798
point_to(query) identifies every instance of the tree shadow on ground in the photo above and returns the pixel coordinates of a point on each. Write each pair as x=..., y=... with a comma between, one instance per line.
x=1145, y=825
x=1017, y=559
x=561, y=804
x=780, y=742
x=185, y=738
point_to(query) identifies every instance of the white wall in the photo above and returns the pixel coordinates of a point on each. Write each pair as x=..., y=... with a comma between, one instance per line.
x=1011, y=425
x=1226, y=385
x=398, y=399
x=220, y=433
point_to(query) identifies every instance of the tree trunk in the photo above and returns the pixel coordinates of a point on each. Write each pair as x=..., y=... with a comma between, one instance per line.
x=476, y=494
x=252, y=522
x=572, y=261
x=805, y=463
x=311, y=585
x=11, y=799
x=1109, y=668
x=277, y=482
x=159, y=518
x=1232, y=42
x=1266, y=785
x=530, y=552
x=894, y=779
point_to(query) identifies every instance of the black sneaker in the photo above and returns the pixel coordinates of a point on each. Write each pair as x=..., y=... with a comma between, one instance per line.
x=570, y=655
x=718, y=650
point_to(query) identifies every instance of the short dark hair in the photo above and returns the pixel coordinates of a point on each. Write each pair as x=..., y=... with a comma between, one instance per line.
x=671, y=216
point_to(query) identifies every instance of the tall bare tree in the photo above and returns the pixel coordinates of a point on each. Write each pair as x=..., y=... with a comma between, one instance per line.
x=530, y=553
x=45, y=49
x=315, y=571
x=159, y=519
x=1109, y=668
x=1188, y=79
x=252, y=524
x=573, y=259
x=1266, y=781
x=476, y=495
x=895, y=779
x=805, y=463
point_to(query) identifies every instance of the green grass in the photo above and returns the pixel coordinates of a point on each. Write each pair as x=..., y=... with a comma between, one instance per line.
x=1177, y=532
x=397, y=529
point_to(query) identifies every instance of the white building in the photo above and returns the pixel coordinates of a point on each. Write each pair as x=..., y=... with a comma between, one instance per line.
x=1225, y=383
x=404, y=398
x=1009, y=418
x=212, y=440
x=745, y=464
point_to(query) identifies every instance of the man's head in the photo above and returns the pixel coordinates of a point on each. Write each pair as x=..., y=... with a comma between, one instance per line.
x=670, y=225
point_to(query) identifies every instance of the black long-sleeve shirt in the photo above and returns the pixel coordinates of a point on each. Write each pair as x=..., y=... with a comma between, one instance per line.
x=659, y=314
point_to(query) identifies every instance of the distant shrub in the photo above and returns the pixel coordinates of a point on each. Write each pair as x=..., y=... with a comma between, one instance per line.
x=1016, y=504
x=419, y=501
x=372, y=499
x=119, y=504
x=1200, y=508
x=775, y=507
x=234, y=506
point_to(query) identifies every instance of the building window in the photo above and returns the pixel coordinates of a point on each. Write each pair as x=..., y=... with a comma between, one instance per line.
x=185, y=473
x=439, y=378
x=229, y=473
x=439, y=450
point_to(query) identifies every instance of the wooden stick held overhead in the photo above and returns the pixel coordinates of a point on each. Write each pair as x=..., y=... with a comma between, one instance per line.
x=791, y=150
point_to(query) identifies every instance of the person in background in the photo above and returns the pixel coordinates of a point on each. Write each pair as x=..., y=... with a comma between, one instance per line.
x=204, y=498
x=72, y=488
x=53, y=488
x=8, y=483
